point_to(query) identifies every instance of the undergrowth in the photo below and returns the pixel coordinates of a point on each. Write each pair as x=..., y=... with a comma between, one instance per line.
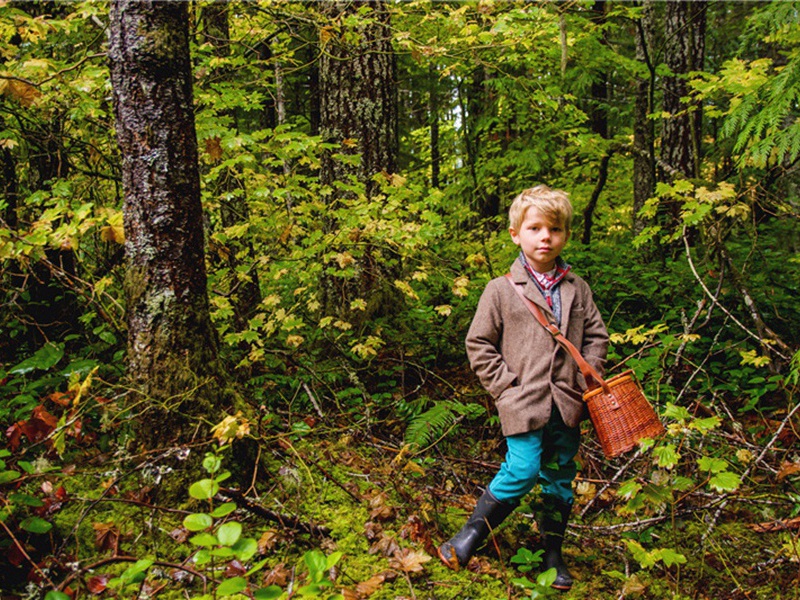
x=338, y=509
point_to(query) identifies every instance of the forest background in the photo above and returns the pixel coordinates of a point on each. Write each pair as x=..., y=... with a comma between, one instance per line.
x=242, y=243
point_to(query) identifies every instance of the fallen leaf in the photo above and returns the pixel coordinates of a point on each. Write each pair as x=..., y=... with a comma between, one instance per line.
x=385, y=545
x=106, y=536
x=409, y=561
x=787, y=469
x=771, y=526
x=279, y=575
x=267, y=541
x=97, y=584
x=370, y=586
x=380, y=508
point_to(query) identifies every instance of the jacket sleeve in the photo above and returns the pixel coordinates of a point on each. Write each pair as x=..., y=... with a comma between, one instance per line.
x=594, y=347
x=483, y=344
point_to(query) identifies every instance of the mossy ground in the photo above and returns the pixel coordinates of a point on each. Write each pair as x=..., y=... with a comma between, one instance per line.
x=386, y=510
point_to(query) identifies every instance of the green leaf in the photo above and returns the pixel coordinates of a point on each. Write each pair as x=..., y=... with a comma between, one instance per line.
x=245, y=548
x=315, y=560
x=45, y=357
x=36, y=525
x=268, y=593
x=198, y=522
x=333, y=559
x=725, y=481
x=667, y=456
x=705, y=425
x=8, y=476
x=223, y=510
x=26, y=499
x=229, y=533
x=204, y=539
x=234, y=585
x=55, y=595
x=205, y=489
x=714, y=465
x=629, y=489
x=670, y=557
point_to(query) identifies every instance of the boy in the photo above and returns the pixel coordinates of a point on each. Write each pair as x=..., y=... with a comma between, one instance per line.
x=536, y=386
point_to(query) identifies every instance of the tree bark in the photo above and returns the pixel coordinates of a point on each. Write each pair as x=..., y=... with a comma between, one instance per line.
x=358, y=113
x=598, y=117
x=684, y=31
x=644, y=175
x=172, y=346
x=358, y=99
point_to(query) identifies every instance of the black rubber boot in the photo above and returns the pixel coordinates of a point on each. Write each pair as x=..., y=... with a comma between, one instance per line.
x=553, y=527
x=488, y=514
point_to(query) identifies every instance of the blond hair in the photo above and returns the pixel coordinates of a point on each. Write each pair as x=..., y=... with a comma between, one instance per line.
x=553, y=204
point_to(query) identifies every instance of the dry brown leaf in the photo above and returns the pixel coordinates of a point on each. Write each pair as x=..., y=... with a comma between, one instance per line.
x=380, y=508
x=267, y=541
x=366, y=588
x=106, y=536
x=214, y=148
x=279, y=575
x=409, y=561
x=788, y=468
x=771, y=526
x=386, y=545
x=372, y=530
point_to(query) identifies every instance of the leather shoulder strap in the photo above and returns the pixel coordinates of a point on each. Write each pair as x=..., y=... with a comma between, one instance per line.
x=590, y=374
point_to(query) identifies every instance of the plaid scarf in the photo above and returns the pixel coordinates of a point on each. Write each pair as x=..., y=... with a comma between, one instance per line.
x=548, y=283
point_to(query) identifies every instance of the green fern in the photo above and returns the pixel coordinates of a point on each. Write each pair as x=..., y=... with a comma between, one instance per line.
x=426, y=427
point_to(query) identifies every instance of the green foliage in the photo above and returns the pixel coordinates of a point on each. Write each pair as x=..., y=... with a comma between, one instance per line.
x=527, y=561
x=426, y=427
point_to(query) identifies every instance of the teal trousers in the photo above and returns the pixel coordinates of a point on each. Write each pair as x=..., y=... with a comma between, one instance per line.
x=545, y=456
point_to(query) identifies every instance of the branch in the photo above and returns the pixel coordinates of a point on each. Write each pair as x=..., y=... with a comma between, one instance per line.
x=721, y=307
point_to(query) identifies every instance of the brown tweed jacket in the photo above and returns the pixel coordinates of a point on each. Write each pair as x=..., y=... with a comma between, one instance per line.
x=520, y=364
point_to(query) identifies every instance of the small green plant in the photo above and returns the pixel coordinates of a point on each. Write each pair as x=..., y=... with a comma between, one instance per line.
x=526, y=561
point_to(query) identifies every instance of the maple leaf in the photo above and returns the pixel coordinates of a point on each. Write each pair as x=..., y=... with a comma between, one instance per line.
x=409, y=561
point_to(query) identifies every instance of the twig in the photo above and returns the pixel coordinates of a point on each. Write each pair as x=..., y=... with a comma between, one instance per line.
x=285, y=520
x=617, y=475
x=313, y=400
x=21, y=548
x=726, y=498
x=741, y=325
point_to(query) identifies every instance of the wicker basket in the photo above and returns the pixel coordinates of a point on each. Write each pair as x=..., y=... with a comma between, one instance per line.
x=623, y=417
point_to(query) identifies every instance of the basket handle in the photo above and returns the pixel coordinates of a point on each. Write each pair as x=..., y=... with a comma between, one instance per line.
x=590, y=374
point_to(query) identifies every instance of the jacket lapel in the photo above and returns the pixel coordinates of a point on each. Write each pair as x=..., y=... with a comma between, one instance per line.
x=567, y=288
x=531, y=292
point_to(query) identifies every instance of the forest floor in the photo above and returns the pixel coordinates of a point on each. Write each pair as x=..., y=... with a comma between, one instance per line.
x=339, y=505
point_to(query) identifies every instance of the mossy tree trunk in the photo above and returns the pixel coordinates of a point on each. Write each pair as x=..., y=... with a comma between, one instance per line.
x=172, y=346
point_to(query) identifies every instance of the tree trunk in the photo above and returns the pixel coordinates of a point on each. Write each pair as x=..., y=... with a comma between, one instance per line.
x=172, y=346
x=598, y=117
x=684, y=31
x=358, y=113
x=644, y=176
x=433, y=120
x=357, y=94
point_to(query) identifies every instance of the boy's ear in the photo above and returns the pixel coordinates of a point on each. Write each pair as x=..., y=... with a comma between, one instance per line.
x=514, y=236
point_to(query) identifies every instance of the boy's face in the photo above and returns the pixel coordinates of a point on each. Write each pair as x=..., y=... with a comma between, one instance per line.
x=540, y=239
